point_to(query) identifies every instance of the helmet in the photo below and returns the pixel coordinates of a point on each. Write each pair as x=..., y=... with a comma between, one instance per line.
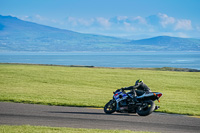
x=138, y=82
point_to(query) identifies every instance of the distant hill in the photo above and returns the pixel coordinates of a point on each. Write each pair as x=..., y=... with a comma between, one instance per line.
x=19, y=35
x=168, y=43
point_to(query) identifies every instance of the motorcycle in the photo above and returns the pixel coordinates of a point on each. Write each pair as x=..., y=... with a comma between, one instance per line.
x=143, y=105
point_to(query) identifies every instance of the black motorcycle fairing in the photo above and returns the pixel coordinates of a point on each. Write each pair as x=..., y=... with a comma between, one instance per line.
x=149, y=96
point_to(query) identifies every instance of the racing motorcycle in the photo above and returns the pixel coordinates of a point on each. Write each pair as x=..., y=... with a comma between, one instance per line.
x=143, y=105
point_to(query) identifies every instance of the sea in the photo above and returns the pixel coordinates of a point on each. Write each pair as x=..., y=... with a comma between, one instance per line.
x=107, y=59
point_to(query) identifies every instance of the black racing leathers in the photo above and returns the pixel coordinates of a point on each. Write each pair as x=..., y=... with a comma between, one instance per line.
x=141, y=88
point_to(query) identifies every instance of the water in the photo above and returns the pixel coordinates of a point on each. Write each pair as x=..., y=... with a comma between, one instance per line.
x=109, y=59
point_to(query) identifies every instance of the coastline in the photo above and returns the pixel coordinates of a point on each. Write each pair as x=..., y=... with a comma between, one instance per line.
x=134, y=68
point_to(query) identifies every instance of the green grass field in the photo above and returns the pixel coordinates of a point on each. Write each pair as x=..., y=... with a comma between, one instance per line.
x=43, y=129
x=93, y=87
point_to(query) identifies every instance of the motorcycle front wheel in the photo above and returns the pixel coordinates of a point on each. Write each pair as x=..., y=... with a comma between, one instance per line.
x=146, y=109
x=110, y=107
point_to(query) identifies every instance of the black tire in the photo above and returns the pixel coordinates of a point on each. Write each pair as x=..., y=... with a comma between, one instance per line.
x=110, y=107
x=147, y=110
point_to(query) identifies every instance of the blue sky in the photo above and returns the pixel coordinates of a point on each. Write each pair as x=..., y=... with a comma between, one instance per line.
x=133, y=19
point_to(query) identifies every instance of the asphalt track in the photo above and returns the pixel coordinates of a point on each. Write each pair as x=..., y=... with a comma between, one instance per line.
x=77, y=117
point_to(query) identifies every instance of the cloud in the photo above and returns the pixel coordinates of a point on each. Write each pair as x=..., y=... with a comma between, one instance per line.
x=100, y=21
x=72, y=21
x=198, y=28
x=38, y=19
x=128, y=27
x=127, y=24
x=166, y=20
x=122, y=18
x=140, y=20
x=33, y=18
x=163, y=22
x=37, y=16
x=103, y=21
x=79, y=21
x=183, y=24
x=158, y=24
x=177, y=24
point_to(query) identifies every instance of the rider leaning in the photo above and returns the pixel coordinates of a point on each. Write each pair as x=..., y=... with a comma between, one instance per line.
x=140, y=86
x=141, y=89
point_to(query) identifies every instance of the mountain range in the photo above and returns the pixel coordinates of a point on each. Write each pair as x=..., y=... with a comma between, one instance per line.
x=18, y=35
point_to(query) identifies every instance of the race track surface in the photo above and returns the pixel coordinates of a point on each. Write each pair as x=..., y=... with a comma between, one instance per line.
x=77, y=117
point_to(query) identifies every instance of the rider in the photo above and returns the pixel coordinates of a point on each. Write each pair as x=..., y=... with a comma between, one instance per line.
x=141, y=89
x=140, y=86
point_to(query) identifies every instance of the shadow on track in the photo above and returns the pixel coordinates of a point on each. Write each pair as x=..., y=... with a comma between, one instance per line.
x=92, y=113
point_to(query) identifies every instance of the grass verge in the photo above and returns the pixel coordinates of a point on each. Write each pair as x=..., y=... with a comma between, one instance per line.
x=93, y=87
x=43, y=129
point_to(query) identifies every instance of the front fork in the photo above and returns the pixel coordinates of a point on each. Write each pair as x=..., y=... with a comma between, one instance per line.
x=117, y=106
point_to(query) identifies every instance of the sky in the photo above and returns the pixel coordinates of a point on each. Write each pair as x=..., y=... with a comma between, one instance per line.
x=132, y=19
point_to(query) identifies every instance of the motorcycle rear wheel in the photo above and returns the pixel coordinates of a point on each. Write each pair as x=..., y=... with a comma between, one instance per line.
x=110, y=107
x=147, y=110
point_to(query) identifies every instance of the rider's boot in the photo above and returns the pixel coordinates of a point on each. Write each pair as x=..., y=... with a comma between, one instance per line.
x=157, y=107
